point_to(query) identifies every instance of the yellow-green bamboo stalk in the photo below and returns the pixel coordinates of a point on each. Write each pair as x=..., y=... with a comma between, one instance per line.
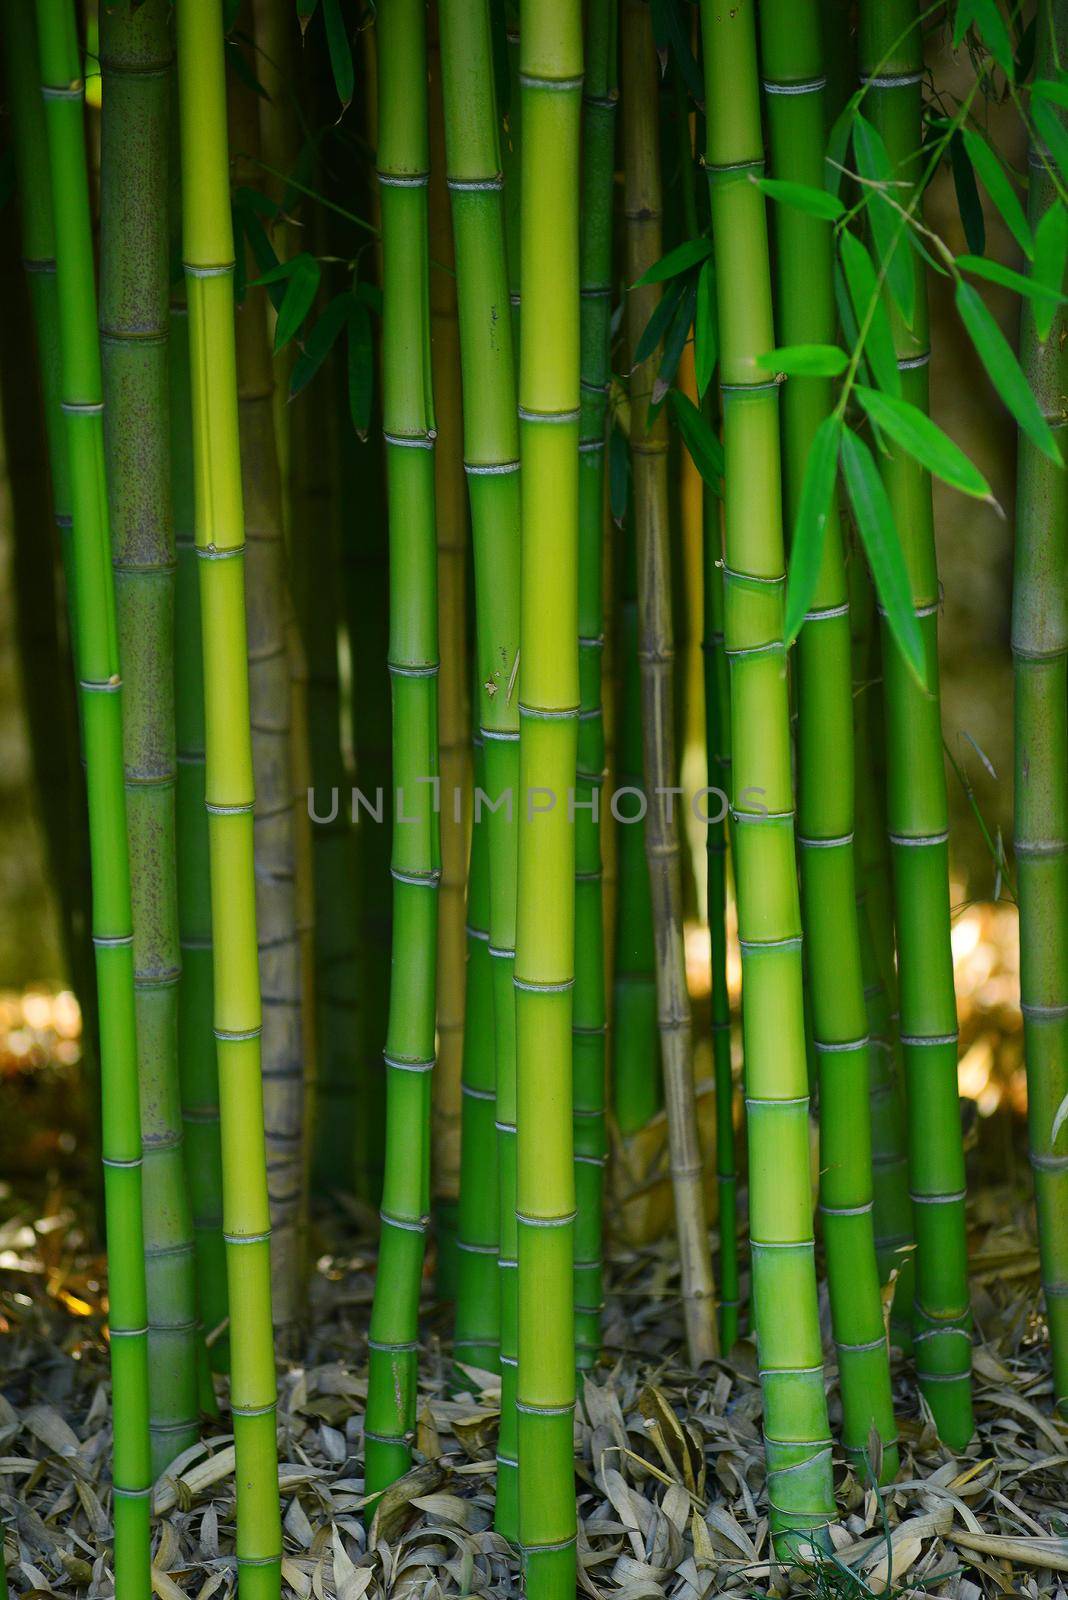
x=550, y=80
x=208, y=251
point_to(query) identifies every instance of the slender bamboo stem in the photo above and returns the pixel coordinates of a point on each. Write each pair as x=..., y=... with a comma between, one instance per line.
x=478, y=1290
x=1040, y=657
x=891, y=55
x=796, y=1434
x=656, y=654
x=550, y=76
x=589, y=1024
x=135, y=61
x=450, y=492
x=37, y=240
x=894, y=1244
x=637, y=1079
x=97, y=665
x=268, y=609
x=491, y=455
x=408, y=423
x=208, y=250
x=793, y=75
x=718, y=743
x=197, y=1063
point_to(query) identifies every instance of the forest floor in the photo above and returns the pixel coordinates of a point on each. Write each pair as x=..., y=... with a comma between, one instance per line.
x=670, y=1472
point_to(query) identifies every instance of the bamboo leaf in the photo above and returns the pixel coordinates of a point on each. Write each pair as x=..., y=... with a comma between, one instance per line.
x=320, y=342
x=875, y=522
x=305, y=12
x=684, y=256
x=837, y=145
x=806, y=549
x=301, y=289
x=1051, y=259
x=704, y=329
x=1053, y=131
x=868, y=306
x=671, y=32
x=1019, y=282
x=990, y=26
x=700, y=441
x=995, y=181
x=337, y=42
x=1049, y=89
x=674, y=344
x=803, y=197
x=873, y=163
x=805, y=360
x=968, y=202
x=1003, y=369
x=924, y=440
x=658, y=322
x=361, y=368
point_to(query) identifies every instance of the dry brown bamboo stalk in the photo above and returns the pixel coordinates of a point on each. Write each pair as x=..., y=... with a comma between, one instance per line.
x=648, y=445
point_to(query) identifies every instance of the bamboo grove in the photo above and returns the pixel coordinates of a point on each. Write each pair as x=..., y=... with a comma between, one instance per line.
x=372, y=349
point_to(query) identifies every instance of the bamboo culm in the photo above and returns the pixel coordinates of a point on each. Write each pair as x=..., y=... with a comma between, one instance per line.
x=796, y=1431
x=97, y=666
x=891, y=56
x=793, y=72
x=589, y=1022
x=268, y=609
x=550, y=88
x=491, y=457
x=135, y=62
x=408, y=424
x=1040, y=660
x=648, y=443
x=208, y=252
x=454, y=740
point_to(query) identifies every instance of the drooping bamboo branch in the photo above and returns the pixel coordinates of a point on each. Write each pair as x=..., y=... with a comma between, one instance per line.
x=792, y=63
x=408, y=423
x=208, y=252
x=796, y=1433
x=648, y=443
x=97, y=666
x=1040, y=657
x=550, y=78
x=891, y=56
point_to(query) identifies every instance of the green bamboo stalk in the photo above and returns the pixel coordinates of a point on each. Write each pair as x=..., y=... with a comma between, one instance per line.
x=135, y=62
x=408, y=425
x=891, y=57
x=718, y=742
x=38, y=255
x=491, y=456
x=454, y=744
x=797, y=1442
x=268, y=610
x=637, y=1080
x=197, y=1064
x=648, y=444
x=208, y=250
x=478, y=1291
x=589, y=1024
x=1040, y=658
x=97, y=665
x=792, y=63
x=894, y=1244
x=550, y=78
